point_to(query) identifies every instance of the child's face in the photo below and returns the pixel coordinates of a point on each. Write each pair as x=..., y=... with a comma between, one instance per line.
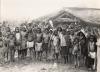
x=17, y=29
x=91, y=39
x=76, y=41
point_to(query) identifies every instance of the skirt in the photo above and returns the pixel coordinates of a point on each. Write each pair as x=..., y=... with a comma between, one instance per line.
x=30, y=44
x=23, y=44
x=38, y=47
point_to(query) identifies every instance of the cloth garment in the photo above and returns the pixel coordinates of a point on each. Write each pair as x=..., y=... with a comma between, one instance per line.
x=92, y=55
x=55, y=40
x=62, y=40
x=17, y=36
x=38, y=47
x=30, y=44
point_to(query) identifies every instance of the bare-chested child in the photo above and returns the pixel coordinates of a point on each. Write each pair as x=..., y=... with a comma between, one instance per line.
x=76, y=52
x=23, y=42
x=38, y=44
x=11, y=47
x=46, y=38
x=56, y=45
x=6, y=38
x=2, y=49
x=30, y=41
x=18, y=41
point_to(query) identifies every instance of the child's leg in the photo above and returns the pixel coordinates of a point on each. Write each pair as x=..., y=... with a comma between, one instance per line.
x=56, y=56
x=18, y=52
x=22, y=53
x=75, y=60
x=13, y=54
x=64, y=59
x=25, y=53
x=31, y=52
x=78, y=61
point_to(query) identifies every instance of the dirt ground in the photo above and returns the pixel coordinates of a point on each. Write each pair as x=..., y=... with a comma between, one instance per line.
x=28, y=65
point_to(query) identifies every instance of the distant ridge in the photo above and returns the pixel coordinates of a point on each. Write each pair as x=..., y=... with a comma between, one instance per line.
x=81, y=8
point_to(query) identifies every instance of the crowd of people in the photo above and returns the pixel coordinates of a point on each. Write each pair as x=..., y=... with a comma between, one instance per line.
x=49, y=44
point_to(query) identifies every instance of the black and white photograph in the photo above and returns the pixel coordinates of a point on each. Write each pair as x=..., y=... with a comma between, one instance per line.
x=49, y=35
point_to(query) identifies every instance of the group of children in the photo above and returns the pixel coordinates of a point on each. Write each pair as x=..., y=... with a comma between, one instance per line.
x=57, y=43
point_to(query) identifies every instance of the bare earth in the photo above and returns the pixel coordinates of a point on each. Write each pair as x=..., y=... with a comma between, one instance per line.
x=37, y=66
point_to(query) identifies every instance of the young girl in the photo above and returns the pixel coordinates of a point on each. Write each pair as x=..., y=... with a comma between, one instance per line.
x=76, y=52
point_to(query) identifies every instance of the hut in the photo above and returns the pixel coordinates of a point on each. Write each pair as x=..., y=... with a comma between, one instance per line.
x=72, y=15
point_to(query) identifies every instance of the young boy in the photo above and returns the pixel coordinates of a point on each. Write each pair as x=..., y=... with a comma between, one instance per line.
x=18, y=41
x=30, y=42
x=46, y=42
x=11, y=46
x=56, y=45
x=38, y=44
x=23, y=42
x=64, y=43
x=92, y=50
x=76, y=52
x=2, y=50
x=6, y=38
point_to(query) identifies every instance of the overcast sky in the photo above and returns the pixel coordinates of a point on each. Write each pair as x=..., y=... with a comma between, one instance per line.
x=20, y=9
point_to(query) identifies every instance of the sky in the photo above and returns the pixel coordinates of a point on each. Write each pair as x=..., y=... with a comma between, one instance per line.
x=31, y=9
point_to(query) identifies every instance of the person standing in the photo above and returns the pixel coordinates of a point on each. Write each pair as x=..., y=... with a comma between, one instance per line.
x=46, y=39
x=38, y=44
x=92, y=51
x=98, y=53
x=18, y=41
x=23, y=42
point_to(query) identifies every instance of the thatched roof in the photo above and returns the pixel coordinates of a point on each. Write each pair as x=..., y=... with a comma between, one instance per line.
x=89, y=16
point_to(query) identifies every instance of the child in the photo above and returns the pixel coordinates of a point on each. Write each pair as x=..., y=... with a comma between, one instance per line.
x=30, y=42
x=92, y=50
x=6, y=38
x=2, y=50
x=46, y=42
x=64, y=43
x=18, y=41
x=56, y=43
x=23, y=42
x=76, y=52
x=11, y=46
x=38, y=44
